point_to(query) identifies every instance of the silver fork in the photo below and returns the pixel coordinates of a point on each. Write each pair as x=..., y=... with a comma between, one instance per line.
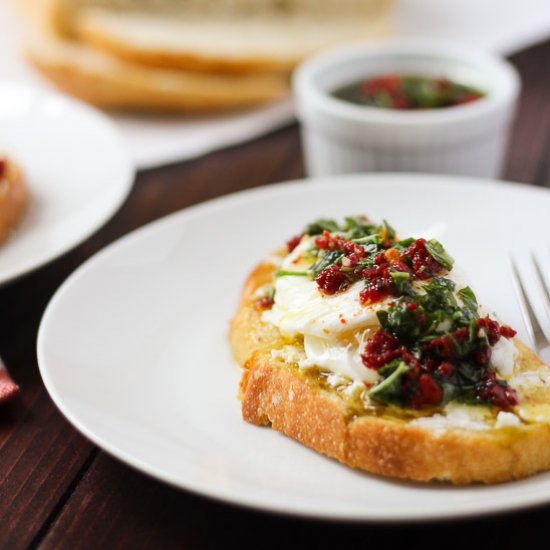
x=538, y=337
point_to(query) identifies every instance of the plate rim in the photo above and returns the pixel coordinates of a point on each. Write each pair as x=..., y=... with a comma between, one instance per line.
x=124, y=188
x=229, y=496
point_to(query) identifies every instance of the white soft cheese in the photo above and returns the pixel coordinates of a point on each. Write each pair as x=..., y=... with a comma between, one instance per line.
x=300, y=308
x=334, y=380
x=503, y=357
x=288, y=354
x=458, y=276
x=507, y=419
x=344, y=359
x=455, y=416
x=465, y=417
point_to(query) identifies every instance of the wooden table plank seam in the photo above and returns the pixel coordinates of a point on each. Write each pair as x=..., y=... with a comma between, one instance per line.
x=57, y=510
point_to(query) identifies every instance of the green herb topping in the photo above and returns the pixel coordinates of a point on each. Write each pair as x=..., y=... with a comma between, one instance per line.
x=432, y=346
x=408, y=92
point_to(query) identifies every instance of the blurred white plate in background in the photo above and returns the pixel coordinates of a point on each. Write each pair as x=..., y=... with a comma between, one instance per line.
x=76, y=167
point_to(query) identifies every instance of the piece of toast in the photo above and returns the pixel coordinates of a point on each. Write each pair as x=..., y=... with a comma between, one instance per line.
x=384, y=440
x=235, y=36
x=13, y=197
x=111, y=83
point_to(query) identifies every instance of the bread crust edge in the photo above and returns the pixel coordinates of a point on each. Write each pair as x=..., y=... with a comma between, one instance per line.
x=119, y=85
x=13, y=200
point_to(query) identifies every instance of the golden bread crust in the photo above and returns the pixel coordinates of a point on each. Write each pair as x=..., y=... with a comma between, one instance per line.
x=282, y=396
x=247, y=331
x=187, y=61
x=248, y=55
x=111, y=83
x=13, y=198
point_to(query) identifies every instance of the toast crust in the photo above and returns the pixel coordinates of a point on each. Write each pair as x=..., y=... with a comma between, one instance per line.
x=289, y=400
x=13, y=198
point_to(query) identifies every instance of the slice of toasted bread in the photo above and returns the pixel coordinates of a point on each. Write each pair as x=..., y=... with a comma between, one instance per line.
x=206, y=43
x=112, y=83
x=13, y=197
x=236, y=36
x=275, y=391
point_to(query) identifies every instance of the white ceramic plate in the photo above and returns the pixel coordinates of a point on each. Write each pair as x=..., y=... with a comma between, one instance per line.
x=76, y=167
x=133, y=347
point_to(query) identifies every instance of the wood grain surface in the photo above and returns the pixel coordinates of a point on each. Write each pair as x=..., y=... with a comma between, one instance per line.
x=57, y=490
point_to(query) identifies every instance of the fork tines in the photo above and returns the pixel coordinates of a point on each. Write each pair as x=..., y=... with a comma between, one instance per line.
x=532, y=322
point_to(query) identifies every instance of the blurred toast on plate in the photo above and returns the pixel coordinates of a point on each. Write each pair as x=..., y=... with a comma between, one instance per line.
x=13, y=196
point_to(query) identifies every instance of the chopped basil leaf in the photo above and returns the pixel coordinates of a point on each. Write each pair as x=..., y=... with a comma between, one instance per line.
x=470, y=301
x=468, y=374
x=283, y=273
x=320, y=225
x=439, y=295
x=439, y=254
x=388, y=230
x=402, y=282
x=373, y=241
x=404, y=323
x=358, y=226
x=382, y=315
x=455, y=390
x=326, y=259
x=389, y=390
x=401, y=246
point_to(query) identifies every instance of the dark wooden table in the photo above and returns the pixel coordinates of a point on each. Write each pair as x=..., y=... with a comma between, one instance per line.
x=58, y=490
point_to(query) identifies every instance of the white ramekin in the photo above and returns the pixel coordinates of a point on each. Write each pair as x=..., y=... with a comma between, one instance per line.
x=341, y=137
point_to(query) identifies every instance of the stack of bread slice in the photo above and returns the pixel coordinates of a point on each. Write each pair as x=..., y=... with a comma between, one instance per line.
x=188, y=55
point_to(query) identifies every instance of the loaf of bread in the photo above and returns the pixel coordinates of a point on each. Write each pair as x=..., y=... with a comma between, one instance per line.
x=13, y=197
x=112, y=83
x=219, y=35
x=187, y=56
x=369, y=350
